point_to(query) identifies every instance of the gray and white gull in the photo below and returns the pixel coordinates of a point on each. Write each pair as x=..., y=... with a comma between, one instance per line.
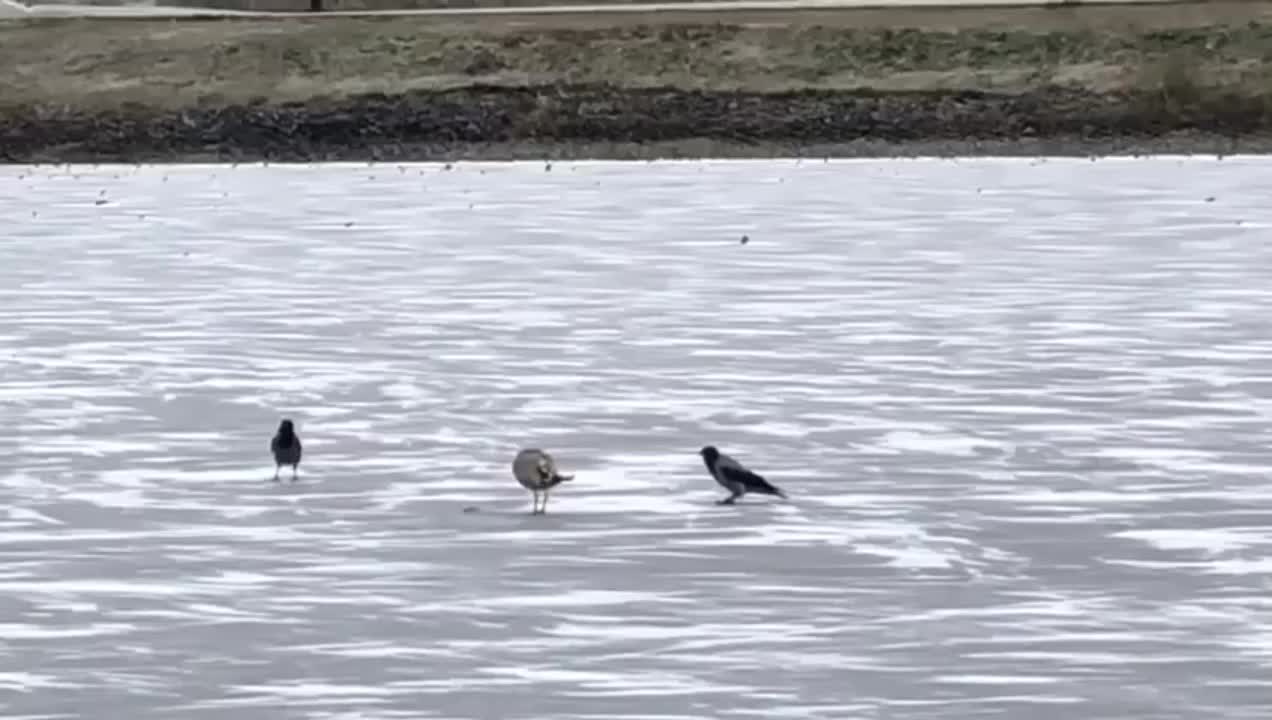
x=536, y=471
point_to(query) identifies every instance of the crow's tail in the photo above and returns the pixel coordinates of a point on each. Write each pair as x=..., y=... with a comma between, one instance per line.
x=769, y=488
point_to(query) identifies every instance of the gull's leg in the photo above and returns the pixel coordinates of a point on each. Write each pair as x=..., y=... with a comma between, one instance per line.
x=545, y=501
x=295, y=472
x=276, y=467
x=729, y=500
x=535, y=510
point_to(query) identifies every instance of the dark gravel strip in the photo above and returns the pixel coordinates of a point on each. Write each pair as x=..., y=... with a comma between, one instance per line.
x=575, y=121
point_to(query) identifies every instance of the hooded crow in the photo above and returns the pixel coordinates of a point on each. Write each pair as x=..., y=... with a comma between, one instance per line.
x=537, y=472
x=286, y=448
x=734, y=477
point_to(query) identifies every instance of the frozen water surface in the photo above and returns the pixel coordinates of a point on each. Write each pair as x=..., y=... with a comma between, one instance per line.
x=1023, y=410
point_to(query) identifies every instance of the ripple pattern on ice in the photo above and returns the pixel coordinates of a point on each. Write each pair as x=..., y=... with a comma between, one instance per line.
x=1023, y=410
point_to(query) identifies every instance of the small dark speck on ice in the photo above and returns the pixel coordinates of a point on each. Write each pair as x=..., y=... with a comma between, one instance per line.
x=746, y=239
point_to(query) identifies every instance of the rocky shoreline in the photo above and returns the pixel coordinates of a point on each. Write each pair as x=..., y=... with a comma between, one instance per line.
x=571, y=121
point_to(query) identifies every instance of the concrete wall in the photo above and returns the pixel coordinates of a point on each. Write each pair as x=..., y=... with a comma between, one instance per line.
x=303, y=5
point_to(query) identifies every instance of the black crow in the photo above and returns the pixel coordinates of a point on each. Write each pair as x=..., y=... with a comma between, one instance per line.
x=537, y=472
x=734, y=477
x=286, y=448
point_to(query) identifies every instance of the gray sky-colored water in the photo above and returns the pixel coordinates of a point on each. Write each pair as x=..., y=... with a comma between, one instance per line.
x=1021, y=409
